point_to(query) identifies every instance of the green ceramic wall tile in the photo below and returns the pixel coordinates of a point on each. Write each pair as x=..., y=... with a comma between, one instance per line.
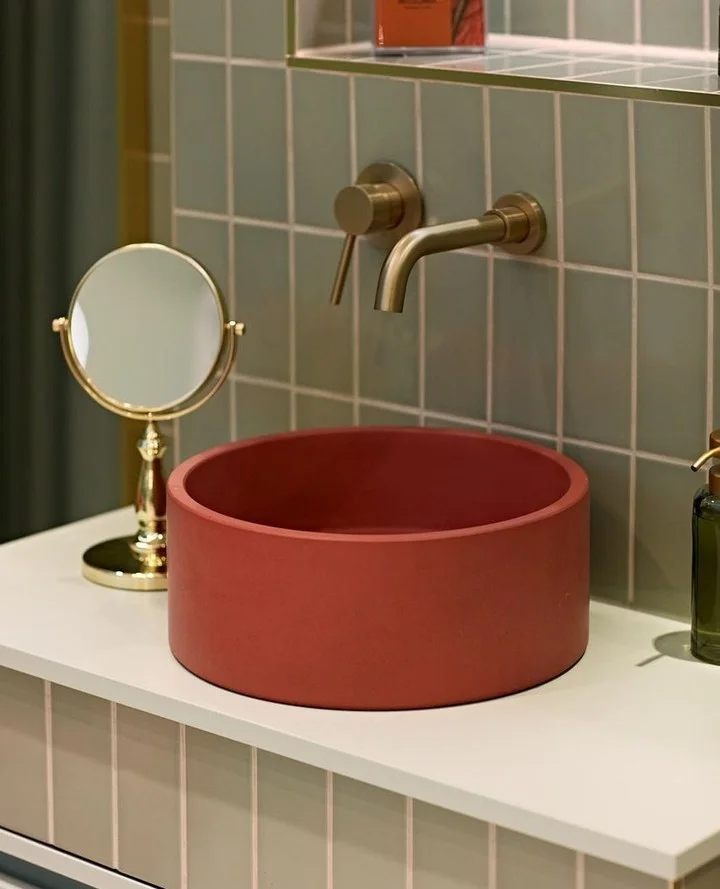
x=715, y=135
x=604, y=875
x=148, y=787
x=206, y=240
x=207, y=427
x=160, y=202
x=261, y=410
x=82, y=774
x=432, y=422
x=362, y=22
x=159, y=88
x=670, y=172
x=262, y=288
x=23, y=760
x=598, y=312
x=546, y=19
x=320, y=23
x=158, y=8
x=450, y=851
x=292, y=824
x=321, y=142
x=518, y=162
x=662, y=537
x=200, y=154
x=672, y=367
x=610, y=20
x=370, y=415
x=385, y=121
x=369, y=836
x=497, y=22
x=609, y=475
x=260, y=143
x=322, y=413
x=324, y=333
x=705, y=878
x=716, y=361
x=453, y=169
x=200, y=28
x=219, y=812
x=596, y=181
x=664, y=25
x=552, y=867
x=456, y=335
x=525, y=349
x=389, y=348
x=258, y=30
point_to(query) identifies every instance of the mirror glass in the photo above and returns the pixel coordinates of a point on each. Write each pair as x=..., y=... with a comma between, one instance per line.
x=146, y=327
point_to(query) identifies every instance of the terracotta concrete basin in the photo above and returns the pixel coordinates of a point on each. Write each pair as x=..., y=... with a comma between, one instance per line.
x=378, y=569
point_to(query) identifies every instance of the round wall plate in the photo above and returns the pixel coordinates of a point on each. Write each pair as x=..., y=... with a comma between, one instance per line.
x=536, y=217
x=413, y=207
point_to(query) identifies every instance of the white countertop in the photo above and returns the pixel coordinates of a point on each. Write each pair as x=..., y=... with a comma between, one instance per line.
x=614, y=759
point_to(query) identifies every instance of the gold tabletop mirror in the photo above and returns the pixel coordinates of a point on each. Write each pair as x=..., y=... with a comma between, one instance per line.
x=148, y=337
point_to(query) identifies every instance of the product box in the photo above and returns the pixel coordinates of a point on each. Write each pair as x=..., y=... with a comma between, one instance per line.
x=424, y=26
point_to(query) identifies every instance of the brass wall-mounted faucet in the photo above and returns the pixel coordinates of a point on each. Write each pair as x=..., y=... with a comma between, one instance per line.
x=386, y=204
x=517, y=223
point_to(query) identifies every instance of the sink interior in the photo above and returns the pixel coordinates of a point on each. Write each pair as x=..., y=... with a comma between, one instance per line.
x=370, y=482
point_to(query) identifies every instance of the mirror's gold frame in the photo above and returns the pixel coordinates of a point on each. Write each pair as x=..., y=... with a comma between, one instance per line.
x=410, y=71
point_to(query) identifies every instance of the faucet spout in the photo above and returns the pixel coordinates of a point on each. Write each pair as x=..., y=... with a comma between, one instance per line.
x=516, y=221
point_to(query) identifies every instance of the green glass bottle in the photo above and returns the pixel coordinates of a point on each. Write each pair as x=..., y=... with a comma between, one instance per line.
x=705, y=632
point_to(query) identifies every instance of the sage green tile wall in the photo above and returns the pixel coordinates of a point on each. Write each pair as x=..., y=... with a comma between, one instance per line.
x=604, y=345
x=177, y=807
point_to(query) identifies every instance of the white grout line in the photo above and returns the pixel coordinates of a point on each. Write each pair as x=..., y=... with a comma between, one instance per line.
x=49, y=770
x=230, y=163
x=637, y=22
x=235, y=61
x=710, y=394
x=571, y=23
x=492, y=877
x=579, y=870
x=254, y=820
x=706, y=14
x=292, y=284
x=330, y=828
x=409, y=848
x=508, y=17
x=560, y=226
x=490, y=295
x=348, y=21
x=174, y=424
x=422, y=265
x=632, y=494
x=183, y=826
x=114, y=787
x=352, y=82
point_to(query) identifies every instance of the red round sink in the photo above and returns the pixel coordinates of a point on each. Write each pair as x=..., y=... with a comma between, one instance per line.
x=378, y=569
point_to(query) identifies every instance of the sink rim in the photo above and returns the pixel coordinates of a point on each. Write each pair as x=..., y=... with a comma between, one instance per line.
x=577, y=488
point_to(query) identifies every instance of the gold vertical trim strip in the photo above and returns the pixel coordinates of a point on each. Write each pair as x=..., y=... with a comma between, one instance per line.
x=133, y=91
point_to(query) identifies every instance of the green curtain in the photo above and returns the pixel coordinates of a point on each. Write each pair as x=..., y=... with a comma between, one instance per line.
x=58, y=214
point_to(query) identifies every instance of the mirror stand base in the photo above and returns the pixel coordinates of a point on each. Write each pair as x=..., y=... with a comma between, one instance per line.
x=115, y=563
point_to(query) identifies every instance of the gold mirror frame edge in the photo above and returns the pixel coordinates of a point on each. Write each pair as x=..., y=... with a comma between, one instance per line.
x=198, y=397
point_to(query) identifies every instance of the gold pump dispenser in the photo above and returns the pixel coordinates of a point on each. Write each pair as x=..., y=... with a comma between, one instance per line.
x=713, y=453
x=705, y=630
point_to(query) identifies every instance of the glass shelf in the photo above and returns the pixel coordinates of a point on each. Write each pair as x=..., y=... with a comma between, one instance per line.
x=659, y=74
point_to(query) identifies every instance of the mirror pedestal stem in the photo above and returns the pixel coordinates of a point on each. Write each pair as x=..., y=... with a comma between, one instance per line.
x=151, y=502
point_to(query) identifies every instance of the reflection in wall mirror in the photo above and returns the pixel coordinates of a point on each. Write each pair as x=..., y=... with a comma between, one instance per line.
x=146, y=336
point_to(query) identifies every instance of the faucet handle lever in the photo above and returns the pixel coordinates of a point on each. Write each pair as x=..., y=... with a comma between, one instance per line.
x=343, y=270
x=384, y=203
